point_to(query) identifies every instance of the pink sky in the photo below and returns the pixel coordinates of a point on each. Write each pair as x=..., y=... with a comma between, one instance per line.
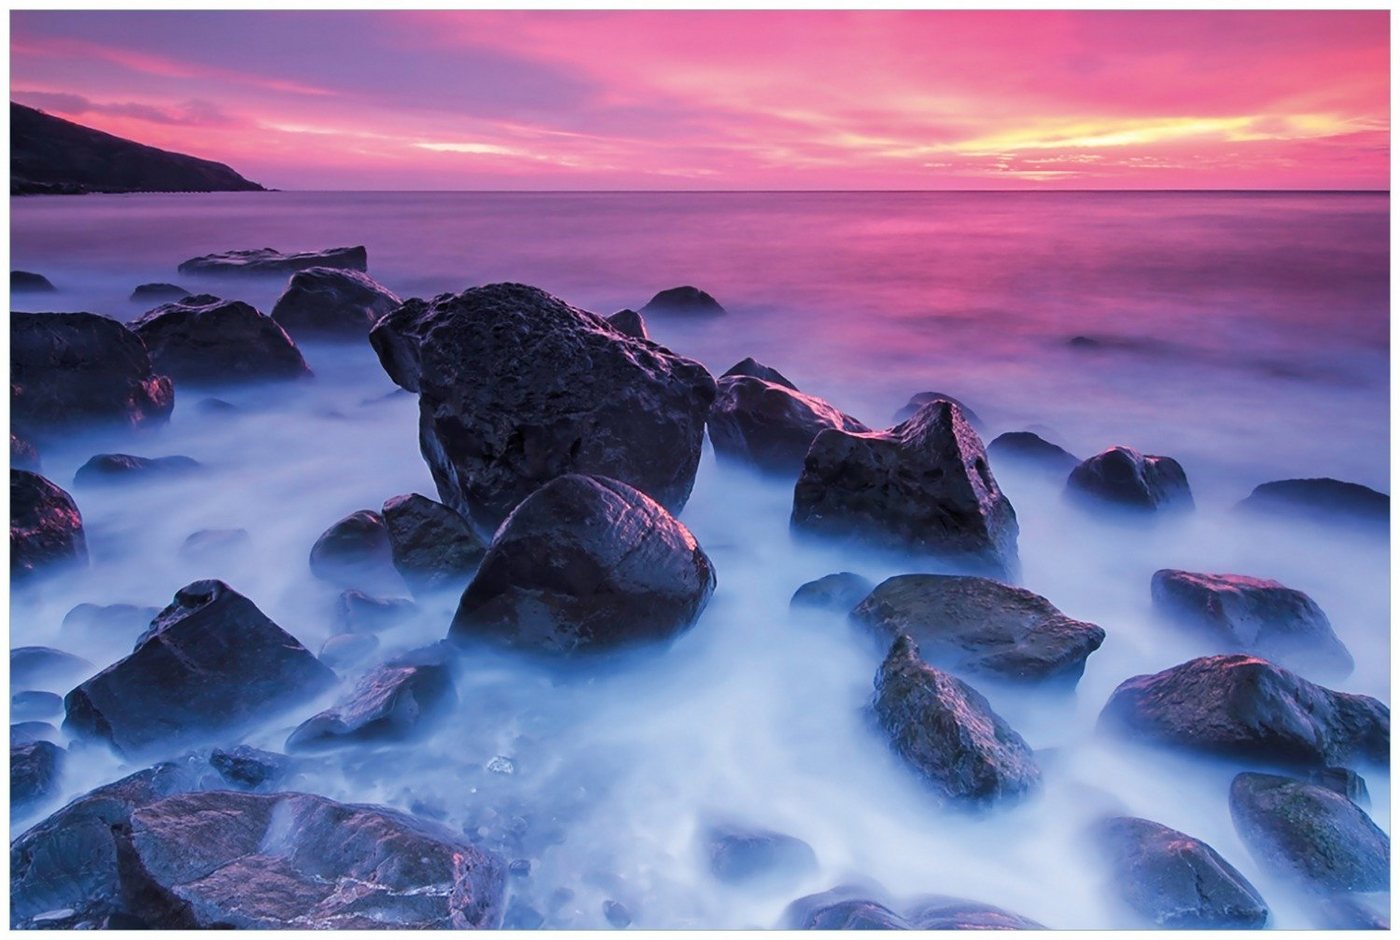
x=732, y=100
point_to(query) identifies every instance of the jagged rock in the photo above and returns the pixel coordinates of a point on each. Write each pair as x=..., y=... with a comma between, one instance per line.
x=390, y=703
x=353, y=551
x=685, y=300
x=840, y=592
x=752, y=367
x=738, y=855
x=45, y=667
x=1249, y=709
x=917, y=402
x=34, y=773
x=769, y=425
x=347, y=649
x=332, y=302
x=1322, y=499
x=1029, y=449
x=211, y=545
x=33, y=705
x=46, y=529
x=516, y=387
x=1122, y=477
x=158, y=292
x=432, y=546
x=27, y=282
x=128, y=619
x=944, y=913
x=202, y=340
x=123, y=468
x=23, y=454
x=980, y=626
x=248, y=768
x=269, y=261
x=630, y=323
x=586, y=564
x=358, y=612
x=923, y=485
x=1343, y=780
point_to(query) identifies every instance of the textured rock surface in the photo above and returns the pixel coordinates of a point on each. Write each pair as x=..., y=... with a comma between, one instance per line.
x=203, y=340
x=1322, y=498
x=1121, y=476
x=122, y=468
x=840, y=592
x=945, y=913
x=332, y=302
x=770, y=426
x=1031, y=450
x=34, y=771
x=46, y=529
x=390, y=703
x=269, y=261
x=432, y=546
x=23, y=454
x=683, y=300
x=752, y=367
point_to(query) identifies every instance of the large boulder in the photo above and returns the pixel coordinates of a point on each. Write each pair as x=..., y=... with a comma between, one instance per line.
x=924, y=486
x=1122, y=477
x=71, y=370
x=1175, y=881
x=1321, y=499
x=46, y=529
x=354, y=551
x=260, y=262
x=124, y=468
x=432, y=546
x=586, y=563
x=980, y=626
x=918, y=401
x=516, y=387
x=683, y=300
x=332, y=302
x=752, y=367
x=394, y=702
x=948, y=732
x=1249, y=709
x=768, y=425
x=203, y=340
x=1030, y=450
x=1253, y=615
x=210, y=663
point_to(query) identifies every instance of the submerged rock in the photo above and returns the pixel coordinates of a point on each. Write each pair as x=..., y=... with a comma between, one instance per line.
x=752, y=367
x=122, y=468
x=839, y=592
x=354, y=550
x=1343, y=780
x=1322, y=499
x=23, y=454
x=586, y=564
x=203, y=340
x=1249, y=709
x=1121, y=476
x=768, y=425
x=683, y=300
x=269, y=261
x=978, y=625
x=27, y=282
x=332, y=302
x=358, y=612
x=158, y=292
x=46, y=529
x=208, y=545
x=249, y=768
x=29, y=732
x=390, y=703
x=34, y=773
x=34, y=704
x=432, y=546
x=1029, y=449
x=43, y=666
x=630, y=323
x=94, y=619
x=516, y=388
x=924, y=486
x=348, y=649
x=917, y=402
x=1253, y=615
x=741, y=856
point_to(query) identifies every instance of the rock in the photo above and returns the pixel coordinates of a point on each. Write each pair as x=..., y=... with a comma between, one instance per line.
x=839, y=592
x=521, y=916
x=768, y=425
x=752, y=367
x=158, y=292
x=850, y=914
x=46, y=529
x=980, y=626
x=1174, y=880
x=216, y=406
x=34, y=773
x=210, y=663
x=617, y=914
x=1032, y=451
x=1249, y=709
x=516, y=388
x=1322, y=499
x=944, y=913
x=332, y=302
x=358, y=612
x=269, y=261
x=1123, y=477
x=432, y=546
x=124, y=468
x=586, y=564
x=203, y=340
x=924, y=486
x=355, y=550
x=390, y=703
x=73, y=370
x=23, y=454
x=45, y=667
x=1345, y=781
x=346, y=649
x=739, y=856
x=630, y=323
x=1309, y=834
x=917, y=402
x=34, y=705
x=684, y=300
x=948, y=732
x=28, y=732
x=1253, y=615
x=27, y=282
x=248, y=768
x=212, y=545
x=128, y=619
x=1352, y=912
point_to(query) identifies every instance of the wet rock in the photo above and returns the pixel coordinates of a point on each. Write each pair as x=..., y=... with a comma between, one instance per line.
x=1121, y=476
x=248, y=768
x=1321, y=499
x=948, y=732
x=29, y=732
x=1174, y=880
x=332, y=302
x=924, y=486
x=1249, y=709
x=23, y=454
x=683, y=300
x=34, y=773
x=917, y=402
x=980, y=626
x=123, y=619
x=630, y=323
x=158, y=292
x=768, y=425
x=203, y=340
x=752, y=367
x=125, y=468
x=46, y=529
x=390, y=703
x=27, y=282
x=358, y=612
x=521, y=916
x=432, y=546
x=211, y=662
x=516, y=387
x=846, y=914
x=617, y=914
x=586, y=564
x=354, y=551
x=1030, y=450
x=944, y=913
x=1253, y=615
x=743, y=856
x=1343, y=780
x=72, y=370
x=1309, y=834
x=45, y=667
x=34, y=705
x=268, y=261
x=839, y=592
x=211, y=545
x=347, y=649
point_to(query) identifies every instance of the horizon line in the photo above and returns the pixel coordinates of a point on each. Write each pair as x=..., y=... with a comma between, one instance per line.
x=1312, y=191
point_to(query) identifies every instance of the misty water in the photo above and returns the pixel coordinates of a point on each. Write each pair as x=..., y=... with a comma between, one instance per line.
x=1245, y=335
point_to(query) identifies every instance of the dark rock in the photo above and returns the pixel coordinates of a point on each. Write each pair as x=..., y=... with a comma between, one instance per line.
x=124, y=468
x=346, y=649
x=586, y=564
x=1123, y=477
x=1250, y=709
x=46, y=529
x=630, y=323
x=45, y=667
x=203, y=340
x=354, y=550
x=1253, y=615
x=34, y=773
x=23, y=454
x=853, y=914
x=27, y=282
x=980, y=626
x=839, y=592
x=948, y=732
x=1309, y=834
x=684, y=300
x=924, y=486
x=269, y=261
x=738, y=855
x=127, y=619
x=516, y=387
x=1031, y=450
x=1174, y=880
x=158, y=292
x=72, y=370
x=34, y=705
x=520, y=867
x=769, y=425
x=521, y=916
x=944, y=913
x=211, y=662
x=216, y=406
x=1322, y=499
x=617, y=914
x=248, y=768
x=358, y=612
x=1343, y=780
x=1083, y=342
x=209, y=545
x=917, y=402
x=28, y=732
x=432, y=546
x=390, y=703
x=331, y=302
x=752, y=367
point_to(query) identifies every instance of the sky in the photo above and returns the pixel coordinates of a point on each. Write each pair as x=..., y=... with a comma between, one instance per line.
x=435, y=100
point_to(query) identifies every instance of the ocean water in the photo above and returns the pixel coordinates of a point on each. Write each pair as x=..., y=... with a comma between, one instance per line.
x=1244, y=334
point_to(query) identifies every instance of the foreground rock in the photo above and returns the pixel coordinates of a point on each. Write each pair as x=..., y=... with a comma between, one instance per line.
x=1322, y=499
x=1030, y=450
x=1253, y=615
x=268, y=261
x=158, y=292
x=210, y=663
x=354, y=551
x=1120, y=476
x=629, y=323
x=72, y=370
x=849, y=908
x=924, y=486
x=432, y=546
x=948, y=732
x=917, y=402
x=27, y=282
x=683, y=300
x=839, y=592
x=752, y=367
x=745, y=856
x=390, y=703
x=516, y=387
x=1176, y=881
x=586, y=564
x=980, y=626
x=770, y=426
x=1246, y=708
x=203, y=340
x=332, y=302
x=121, y=468
x=34, y=772
x=46, y=529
